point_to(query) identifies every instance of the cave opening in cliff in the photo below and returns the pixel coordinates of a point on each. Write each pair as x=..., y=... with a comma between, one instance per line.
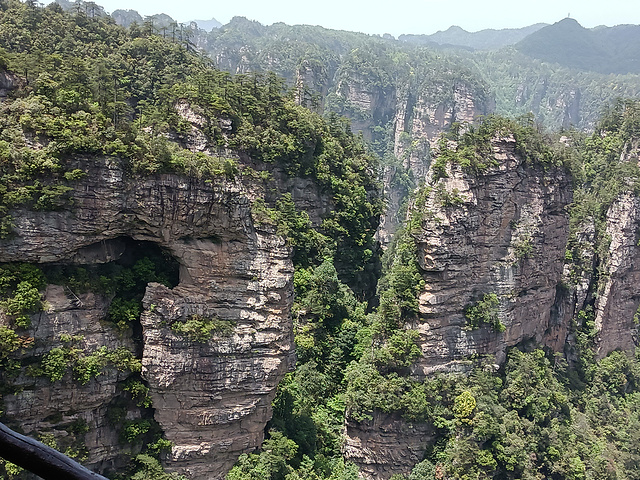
x=120, y=269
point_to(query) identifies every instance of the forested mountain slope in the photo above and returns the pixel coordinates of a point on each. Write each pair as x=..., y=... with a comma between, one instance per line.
x=403, y=96
x=545, y=412
x=503, y=344
x=150, y=204
x=558, y=92
x=563, y=74
x=192, y=276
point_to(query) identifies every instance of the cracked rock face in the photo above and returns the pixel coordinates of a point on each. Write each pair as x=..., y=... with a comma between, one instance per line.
x=506, y=235
x=9, y=81
x=211, y=398
x=605, y=272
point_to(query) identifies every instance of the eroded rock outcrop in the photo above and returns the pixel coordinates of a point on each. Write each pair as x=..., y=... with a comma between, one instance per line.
x=369, y=101
x=561, y=105
x=9, y=81
x=312, y=84
x=211, y=398
x=503, y=232
x=386, y=445
x=603, y=274
x=76, y=416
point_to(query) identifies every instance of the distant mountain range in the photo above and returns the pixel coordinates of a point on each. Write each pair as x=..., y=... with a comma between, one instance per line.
x=606, y=50
x=126, y=17
x=602, y=49
x=488, y=39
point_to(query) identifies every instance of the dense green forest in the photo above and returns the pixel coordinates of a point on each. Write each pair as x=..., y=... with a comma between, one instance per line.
x=89, y=87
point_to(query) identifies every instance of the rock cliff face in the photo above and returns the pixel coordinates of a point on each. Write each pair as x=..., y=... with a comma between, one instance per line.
x=212, y=399
x=432, y=114
x=9, y=81
x=312, y=84
x=503, y=232
x=605, y=273
x=619, y=299
x=368, y=101
x=563, y=106
x=386, y=445
x=500, y=233
x=419, y=121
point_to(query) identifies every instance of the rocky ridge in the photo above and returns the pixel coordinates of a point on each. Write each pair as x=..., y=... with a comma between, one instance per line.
x=385, y=445
x=618, y=302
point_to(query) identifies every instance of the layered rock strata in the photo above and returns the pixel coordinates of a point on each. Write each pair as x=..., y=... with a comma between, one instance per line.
x=501, y=233
x=64, y=410
x=211, y=398
x=385, y=445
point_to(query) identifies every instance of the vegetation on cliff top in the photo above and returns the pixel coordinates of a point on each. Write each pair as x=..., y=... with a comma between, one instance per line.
x=89, y=87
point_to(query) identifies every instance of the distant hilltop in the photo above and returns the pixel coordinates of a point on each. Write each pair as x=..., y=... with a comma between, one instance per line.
x=125, y=18
x=608, y=50
x=208, y=25
x=488, y=39
x=601, y=49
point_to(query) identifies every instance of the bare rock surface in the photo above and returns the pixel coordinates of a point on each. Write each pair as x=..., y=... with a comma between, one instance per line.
x=212, y=399
x=9, y=81
x=385, y=445
x=504, y=234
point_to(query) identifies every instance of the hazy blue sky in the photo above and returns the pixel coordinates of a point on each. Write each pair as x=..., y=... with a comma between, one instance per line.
x=395, y=17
